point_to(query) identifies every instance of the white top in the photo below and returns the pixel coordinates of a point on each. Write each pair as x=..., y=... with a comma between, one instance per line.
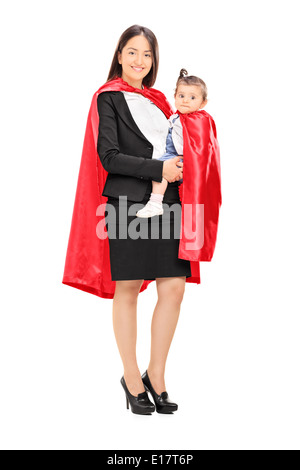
x=150, y=120
x=177, y=136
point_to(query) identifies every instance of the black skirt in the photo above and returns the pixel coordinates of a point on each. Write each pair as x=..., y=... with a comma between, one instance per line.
x=145, y=248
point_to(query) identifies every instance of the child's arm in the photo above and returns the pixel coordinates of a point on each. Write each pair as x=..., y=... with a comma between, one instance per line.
x=177, y=136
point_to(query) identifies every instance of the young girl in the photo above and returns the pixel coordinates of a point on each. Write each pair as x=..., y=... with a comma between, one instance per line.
x=190, y=96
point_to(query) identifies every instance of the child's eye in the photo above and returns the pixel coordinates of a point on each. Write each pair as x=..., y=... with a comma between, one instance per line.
x=181, y=96
x=192, y=97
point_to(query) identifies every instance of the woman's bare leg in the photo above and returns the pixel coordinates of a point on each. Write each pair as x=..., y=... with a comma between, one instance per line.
x=164, y=321
x=125, y=329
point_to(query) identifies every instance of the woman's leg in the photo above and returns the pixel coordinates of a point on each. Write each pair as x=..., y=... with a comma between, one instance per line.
x=125, y=329
x=164, y=321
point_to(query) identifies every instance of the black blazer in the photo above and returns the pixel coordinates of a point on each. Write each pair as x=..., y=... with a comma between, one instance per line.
x=125, y=153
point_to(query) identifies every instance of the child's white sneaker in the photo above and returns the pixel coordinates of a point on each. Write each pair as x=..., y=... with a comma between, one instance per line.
x=151, y=208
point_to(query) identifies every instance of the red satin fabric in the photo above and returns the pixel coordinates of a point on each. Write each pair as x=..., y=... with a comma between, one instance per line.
x=87, y=265
x=201, y=186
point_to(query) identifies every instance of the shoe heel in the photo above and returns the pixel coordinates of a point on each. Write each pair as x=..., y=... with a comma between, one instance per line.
x=139, y=404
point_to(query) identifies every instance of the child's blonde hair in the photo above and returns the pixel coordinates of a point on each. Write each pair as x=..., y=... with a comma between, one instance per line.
x=186, y=79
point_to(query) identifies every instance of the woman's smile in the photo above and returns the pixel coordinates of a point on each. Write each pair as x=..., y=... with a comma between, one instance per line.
x=138, y=69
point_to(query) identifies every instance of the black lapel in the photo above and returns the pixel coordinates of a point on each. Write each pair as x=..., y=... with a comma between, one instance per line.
x=124, y=112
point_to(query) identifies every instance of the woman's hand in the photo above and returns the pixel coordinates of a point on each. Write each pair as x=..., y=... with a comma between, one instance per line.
x=171, y=171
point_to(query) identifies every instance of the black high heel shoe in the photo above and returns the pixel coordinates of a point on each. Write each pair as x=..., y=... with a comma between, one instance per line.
x=141, y=404
x=162, y=402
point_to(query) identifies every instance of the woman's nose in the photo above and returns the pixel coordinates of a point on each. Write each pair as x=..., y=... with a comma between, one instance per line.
x=138, y=60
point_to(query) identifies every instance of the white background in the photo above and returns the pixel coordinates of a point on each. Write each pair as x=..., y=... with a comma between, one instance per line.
x=233, y=366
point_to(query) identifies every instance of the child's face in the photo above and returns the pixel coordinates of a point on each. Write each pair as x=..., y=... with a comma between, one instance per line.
x=189, y=99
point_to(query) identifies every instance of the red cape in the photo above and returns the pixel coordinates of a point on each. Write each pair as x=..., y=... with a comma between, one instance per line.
x=87, y=264
x=200, y=192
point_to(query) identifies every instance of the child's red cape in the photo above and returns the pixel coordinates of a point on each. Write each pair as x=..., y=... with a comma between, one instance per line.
x=200, y=192
x=87, y=264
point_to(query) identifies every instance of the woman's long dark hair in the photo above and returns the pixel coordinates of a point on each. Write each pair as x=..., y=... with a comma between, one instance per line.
x=136, y=30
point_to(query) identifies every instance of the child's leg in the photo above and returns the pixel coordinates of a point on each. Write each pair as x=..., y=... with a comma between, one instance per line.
x=159, y=188
x=154, y=205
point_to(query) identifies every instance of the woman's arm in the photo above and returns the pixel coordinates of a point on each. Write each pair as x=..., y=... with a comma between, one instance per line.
x=112, y=159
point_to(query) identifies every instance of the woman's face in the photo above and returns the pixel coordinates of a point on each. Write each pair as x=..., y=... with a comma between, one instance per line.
x=136, y=60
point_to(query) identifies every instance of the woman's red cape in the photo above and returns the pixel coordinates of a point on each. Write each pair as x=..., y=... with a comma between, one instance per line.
x=87, y=264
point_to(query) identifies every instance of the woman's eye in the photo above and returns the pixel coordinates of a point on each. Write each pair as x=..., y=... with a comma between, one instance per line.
x=131, y=52
x=147, y=55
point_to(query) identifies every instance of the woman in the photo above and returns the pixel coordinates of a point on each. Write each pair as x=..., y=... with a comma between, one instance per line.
x=136, y=62
x=126, y=132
